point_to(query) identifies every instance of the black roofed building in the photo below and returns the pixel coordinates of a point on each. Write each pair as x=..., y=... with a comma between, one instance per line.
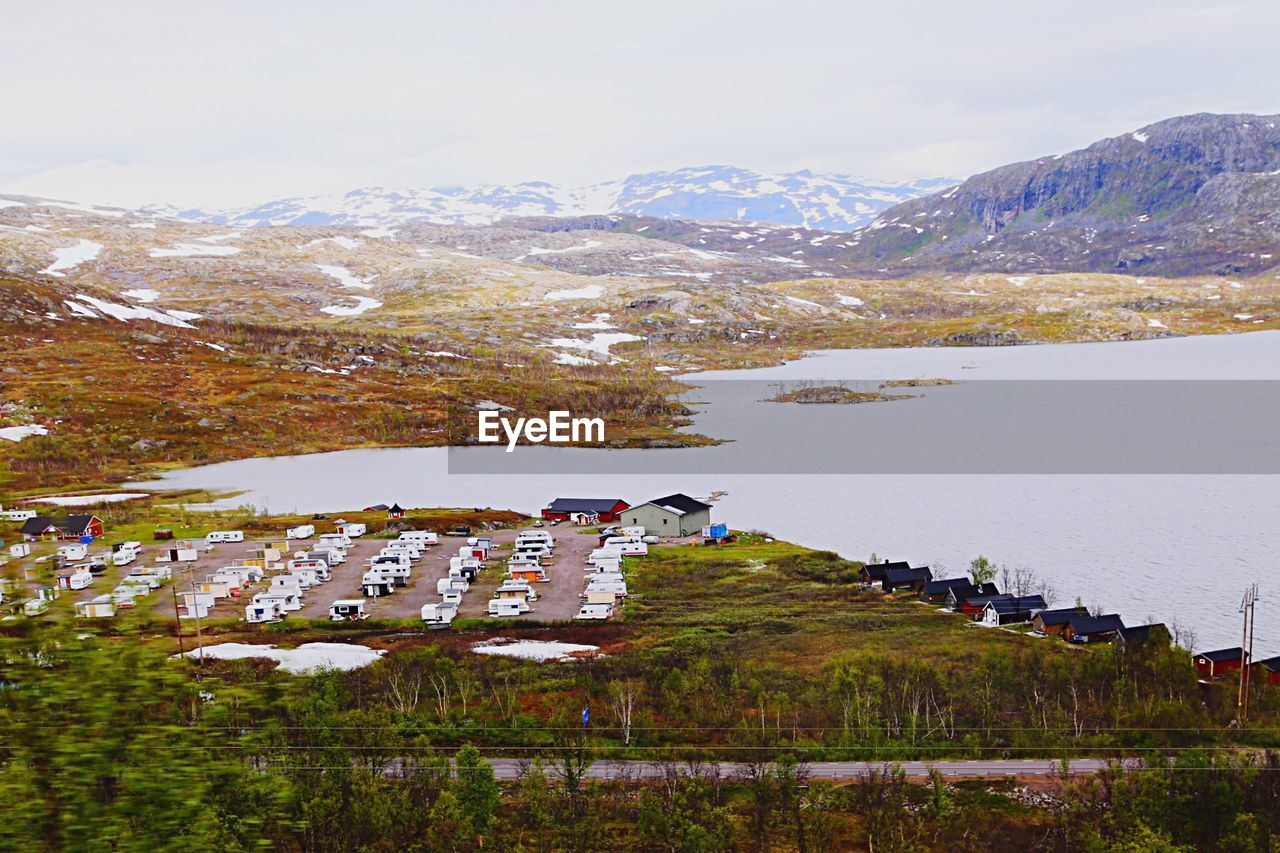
x=1219, y=662
x=673, y=515
x=606, y=509
x=1136, y=636
x=62, y=527
x=908, y=578
x=952, y=591
x=875, y=572
x=1007, y=610
x=1050, y=622
x=1093, y=629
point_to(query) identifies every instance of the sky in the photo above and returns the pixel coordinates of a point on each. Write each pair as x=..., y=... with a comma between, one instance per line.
x=233, y=103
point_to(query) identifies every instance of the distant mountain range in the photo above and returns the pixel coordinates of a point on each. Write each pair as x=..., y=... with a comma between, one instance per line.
x=1189, y=195
x=708, y=193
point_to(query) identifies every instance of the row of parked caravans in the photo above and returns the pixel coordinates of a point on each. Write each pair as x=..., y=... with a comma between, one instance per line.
x=606, y=585
x=532, y=550
x=463, y=569
x=137, y=584
x=305, y=570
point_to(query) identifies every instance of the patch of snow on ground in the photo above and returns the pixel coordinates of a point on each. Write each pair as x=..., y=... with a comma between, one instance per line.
x=799, y=301
x=143, y=225
x=539, y=650
x=851, y=301
x=694, y=321
x=1139, y=136
x=182, y=315
x=379, y=232
x=363, y=304
x=89, y=500
x=307, y=657
x=599, y=342
x=17, y=433
x=218, y=238
x=86, y=208
x=572, y=360
x=69, y=257
x=1156, y=324
x=79, y=310
x=601, y=321
x=344, y=276
x=142, y=295
x=590, y=244
x=1243, y=316
x=591, y=291
x=345, y=242
x=131, y=312
x=193, y=250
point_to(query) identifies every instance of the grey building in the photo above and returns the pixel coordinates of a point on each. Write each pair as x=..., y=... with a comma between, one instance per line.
x=674, y=515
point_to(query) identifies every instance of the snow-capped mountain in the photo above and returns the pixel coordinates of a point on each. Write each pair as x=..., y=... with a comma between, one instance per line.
x=719, y=193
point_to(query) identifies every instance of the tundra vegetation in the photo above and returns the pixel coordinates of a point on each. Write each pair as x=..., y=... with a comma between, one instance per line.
x=758, y=652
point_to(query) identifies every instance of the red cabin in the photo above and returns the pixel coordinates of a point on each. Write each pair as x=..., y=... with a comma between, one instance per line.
x=1267, y=670
x=607, y=509
x=1219, y=662
x=70, y=527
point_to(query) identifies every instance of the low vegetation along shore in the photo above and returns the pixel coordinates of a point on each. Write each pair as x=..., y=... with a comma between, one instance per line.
x=758, y=652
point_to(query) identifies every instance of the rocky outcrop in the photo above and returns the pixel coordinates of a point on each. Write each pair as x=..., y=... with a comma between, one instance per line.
x=1189, y=195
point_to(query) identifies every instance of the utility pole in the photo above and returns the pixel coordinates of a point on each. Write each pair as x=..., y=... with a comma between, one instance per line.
x=177, y=619
x=1247, y=608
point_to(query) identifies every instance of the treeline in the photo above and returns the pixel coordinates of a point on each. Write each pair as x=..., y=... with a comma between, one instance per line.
x=106, y=743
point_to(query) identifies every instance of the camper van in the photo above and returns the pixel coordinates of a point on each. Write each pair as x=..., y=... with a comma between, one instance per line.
x=500, y=607
x=419, y=537
x=339, y=540
x=142, y=578
x=530, y=574
x=347, y=610
x=333, y=556
x=592, y=596
x=610, y=553
x=78, y=579
x=288, y=599
x=307, y=578
x=410, y=549
x=302, y=531
x=516, y=589
x=439, y=615
x=354, y=529
x=181, y=553
x=74, y=551
x=320, y=567
x=595, y=611
x=617, y=588
x=123, y=557
x=223, y=536
x=543, y=536
x=102, y=607
x=375, y=584
x=267, y=610
x=627, y=546
x=444, y=585
x=452, y=597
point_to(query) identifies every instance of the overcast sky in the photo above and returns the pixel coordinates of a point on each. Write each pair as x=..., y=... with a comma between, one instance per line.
x=231, y=103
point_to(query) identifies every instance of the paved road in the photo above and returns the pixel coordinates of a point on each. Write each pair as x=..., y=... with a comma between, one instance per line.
x=511, y=768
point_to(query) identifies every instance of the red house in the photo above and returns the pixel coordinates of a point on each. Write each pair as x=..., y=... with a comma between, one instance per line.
x=1267, y=670
x=1219, y=662
x=608, y=509
x=69, y=527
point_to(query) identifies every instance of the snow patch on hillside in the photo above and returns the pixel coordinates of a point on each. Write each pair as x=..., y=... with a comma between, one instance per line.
x=70, y=257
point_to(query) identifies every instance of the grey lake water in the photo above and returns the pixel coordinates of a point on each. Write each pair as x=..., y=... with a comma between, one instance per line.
x=1156, y=510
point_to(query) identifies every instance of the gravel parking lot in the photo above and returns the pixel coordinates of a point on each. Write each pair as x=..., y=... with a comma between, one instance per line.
x=558, y=596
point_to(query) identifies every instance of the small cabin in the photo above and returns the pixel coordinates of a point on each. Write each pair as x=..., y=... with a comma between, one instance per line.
x=913, y=579
x=1084, y=628
x=102, y=607
x=1219, y=662
x=347, y=610
x=1053, y=623
x=1012, y=609
x=873, y=573
x=1268, y=671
